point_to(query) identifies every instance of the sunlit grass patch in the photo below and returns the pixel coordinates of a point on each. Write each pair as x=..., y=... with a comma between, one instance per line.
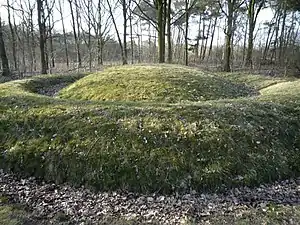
x=154, y=83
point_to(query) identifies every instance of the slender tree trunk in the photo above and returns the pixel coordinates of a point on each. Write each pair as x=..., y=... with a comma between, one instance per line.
x=89, y=6
x=150, y=53
x=212, y=37
x=198, y=38
x=266, y=44
x=74, y=32
x=64, y=33
x=131, y=37
x=169, y=37
x=117, y=31
x=99, y=35
x=78, y=33
x=124, y=7
x=282, y=32
x=21, y=41
x=186, y=32
x=13, y=36
x=139, y=49
x=23, y=47
x=269, y=37
x=245, y=43
x=202, y=38
x=33, y=39
x=206, y=40
x=275, y=44
x=50, y=37
x=5, y=65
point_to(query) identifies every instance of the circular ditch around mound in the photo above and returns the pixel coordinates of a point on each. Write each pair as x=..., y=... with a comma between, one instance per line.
x=50, y=85
x=169, y=84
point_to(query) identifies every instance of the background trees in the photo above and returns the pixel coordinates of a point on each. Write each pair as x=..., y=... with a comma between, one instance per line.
x=45, y=36
x=5, y=66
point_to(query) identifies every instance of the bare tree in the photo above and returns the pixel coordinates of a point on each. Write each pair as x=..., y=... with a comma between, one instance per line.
x=122, y=45
x=231, y=8
x=75, y=34
x=64, y=32
x=254, y=7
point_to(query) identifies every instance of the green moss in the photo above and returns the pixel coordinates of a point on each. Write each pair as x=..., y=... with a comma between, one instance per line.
x=12, y=215
x=154, y=83
x=149, y=146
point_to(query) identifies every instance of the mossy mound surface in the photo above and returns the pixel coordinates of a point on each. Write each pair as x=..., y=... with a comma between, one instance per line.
x=148, y=146
x=168, y=83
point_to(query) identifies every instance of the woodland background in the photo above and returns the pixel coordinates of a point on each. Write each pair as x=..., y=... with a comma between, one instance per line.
x=39, y=36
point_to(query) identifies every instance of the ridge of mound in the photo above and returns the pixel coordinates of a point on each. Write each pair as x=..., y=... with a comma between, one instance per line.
x=170, y=84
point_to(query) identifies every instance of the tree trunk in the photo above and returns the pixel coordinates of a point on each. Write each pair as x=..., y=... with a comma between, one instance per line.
x=99, y=36
x=78, y=34
x=74, y=32
x=206, y=39
x=198, y=38
x=248, y=62
x=186, y=32
x=252, y=17
x=282, y=32
x=269, y=37
x=228, y=37
x=169, y=40
x=131, y=37
x=202, y=38
x=33, y=44
x=274, y=53
x=52, y=61
x=124, y=7
x=117, y=31
x=89, y=5
x=64, y=33
x=5, y=65
x=13, y=36
x=212, y=37
x=160, y=29
x=42, y=38
x=245, y=43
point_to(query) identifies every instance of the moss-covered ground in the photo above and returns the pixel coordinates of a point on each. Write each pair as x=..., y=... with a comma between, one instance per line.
x=152, y=128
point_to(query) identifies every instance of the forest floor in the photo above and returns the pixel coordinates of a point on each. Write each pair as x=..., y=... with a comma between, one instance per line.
x=29, y=202
x=195, y=147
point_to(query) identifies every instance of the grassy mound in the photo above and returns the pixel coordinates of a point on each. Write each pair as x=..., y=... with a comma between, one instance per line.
x=157, y=84
x=149, y=147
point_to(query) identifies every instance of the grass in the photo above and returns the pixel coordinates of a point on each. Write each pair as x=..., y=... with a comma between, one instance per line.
x=272, y=214
x=257, y=81
x=159, y=145
x=156, y=84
